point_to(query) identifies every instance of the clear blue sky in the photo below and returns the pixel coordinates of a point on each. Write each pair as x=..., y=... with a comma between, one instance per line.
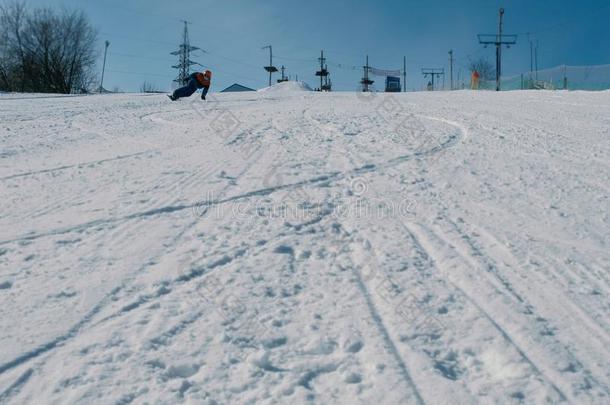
x=143, y=33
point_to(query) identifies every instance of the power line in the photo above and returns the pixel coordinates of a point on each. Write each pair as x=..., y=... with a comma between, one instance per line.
x=129, y=55
x=342, y=66
x=230, y=59
x=136, y=73
x=206, y=66
x=309, y=60
x=215, y=54
x=152, y=41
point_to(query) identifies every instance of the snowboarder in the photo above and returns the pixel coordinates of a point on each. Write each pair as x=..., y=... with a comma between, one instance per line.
x=196, y=81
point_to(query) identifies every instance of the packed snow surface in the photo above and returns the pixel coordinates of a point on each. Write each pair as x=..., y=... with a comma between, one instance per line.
x=291, y=247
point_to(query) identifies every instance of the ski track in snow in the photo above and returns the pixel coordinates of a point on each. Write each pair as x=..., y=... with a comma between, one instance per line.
x=145, y=256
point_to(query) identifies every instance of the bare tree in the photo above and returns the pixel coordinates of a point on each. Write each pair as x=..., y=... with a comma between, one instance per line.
x=486, y=70
x=4, y=62
x=45, y=50
x=12, y=21
x=148, y=87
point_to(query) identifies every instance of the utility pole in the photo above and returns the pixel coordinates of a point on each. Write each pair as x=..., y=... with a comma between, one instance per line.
x=531, y=54
x=104, y=66
x=451, y=67
x=536, y=55
x=433, y=72
x=323, y=73
x=499, y=40
x=366, y=82
x=531, y=78
x=499, y=51
x=271, y=69
x=184, y=57
x=404, y=74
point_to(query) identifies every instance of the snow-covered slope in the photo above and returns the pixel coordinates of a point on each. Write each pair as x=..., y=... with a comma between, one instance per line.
x=325, y=248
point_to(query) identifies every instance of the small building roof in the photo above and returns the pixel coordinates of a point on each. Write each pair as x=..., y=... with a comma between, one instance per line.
x=236, y=88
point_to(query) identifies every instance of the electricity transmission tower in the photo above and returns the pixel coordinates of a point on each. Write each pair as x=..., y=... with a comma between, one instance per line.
x=366, y=82
x=498, y=40
x=271, y=69
x=433, y=72
x=184, y=57
x=325, y=84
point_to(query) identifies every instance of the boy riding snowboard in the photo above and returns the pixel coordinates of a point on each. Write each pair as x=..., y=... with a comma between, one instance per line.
x=196, y=81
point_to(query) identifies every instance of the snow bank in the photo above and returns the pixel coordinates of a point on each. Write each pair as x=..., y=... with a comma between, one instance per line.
x=286, y=87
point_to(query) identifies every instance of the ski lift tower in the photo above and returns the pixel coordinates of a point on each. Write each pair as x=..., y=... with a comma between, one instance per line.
x=498, y=40
x=184, y=58
x=366, y=82
x=433, y=72
x=284, y=78
x=271, y=69
x=325, y=84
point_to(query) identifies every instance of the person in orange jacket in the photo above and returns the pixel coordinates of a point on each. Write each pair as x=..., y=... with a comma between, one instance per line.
x=196, y=81
x=475, y=80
